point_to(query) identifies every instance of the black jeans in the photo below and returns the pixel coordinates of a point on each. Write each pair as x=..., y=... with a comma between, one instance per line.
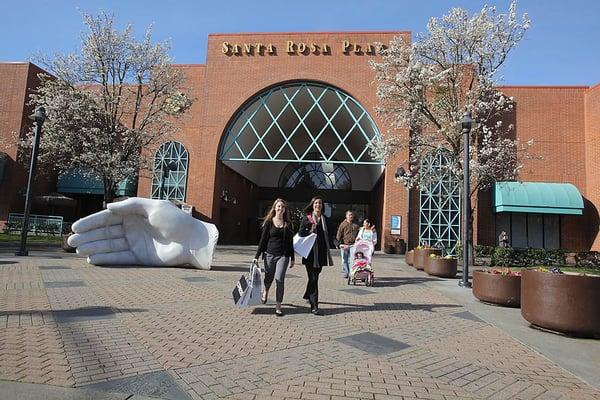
x=312, y=287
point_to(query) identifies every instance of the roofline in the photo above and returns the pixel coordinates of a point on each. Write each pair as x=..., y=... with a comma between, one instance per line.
x=542, y=87
x=308, y=33
x=594, y=86
x=188, y=65
x=16, y=62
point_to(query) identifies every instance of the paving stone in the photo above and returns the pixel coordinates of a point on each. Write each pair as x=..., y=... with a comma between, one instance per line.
x=83, y=314
x=66, y=284
x=133, y=323
x=196, y=279
x=373, y=344
x=358, y=291
x=469, y=316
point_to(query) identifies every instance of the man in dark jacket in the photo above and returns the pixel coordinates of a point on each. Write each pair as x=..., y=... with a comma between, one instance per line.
x=346, y=235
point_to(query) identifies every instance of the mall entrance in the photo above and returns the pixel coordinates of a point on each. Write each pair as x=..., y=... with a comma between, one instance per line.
x=295, y=141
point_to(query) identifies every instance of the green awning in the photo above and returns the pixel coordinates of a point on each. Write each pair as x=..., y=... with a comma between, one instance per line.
x=77, y=182
x=537, y=197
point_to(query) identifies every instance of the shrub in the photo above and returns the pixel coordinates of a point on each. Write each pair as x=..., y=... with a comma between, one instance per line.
x=588, y=259
x=484, y=251
x=508, y=256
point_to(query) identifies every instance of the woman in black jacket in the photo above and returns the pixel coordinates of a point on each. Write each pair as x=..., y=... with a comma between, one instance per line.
x=315, y=222
x=276, y=247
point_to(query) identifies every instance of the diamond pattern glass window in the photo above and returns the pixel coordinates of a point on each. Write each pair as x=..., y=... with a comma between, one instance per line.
x=439, y=217
x=301, y=122
x=315, y=176
x=170, y=172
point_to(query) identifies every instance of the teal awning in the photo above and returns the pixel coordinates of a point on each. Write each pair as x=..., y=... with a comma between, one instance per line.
x=77, y=182
x=537, y=197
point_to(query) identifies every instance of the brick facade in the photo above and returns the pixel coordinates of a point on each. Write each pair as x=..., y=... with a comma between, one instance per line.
x=17, y=81
x=564, y=123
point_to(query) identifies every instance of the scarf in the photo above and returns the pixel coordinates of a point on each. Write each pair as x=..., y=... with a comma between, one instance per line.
x=316, y=246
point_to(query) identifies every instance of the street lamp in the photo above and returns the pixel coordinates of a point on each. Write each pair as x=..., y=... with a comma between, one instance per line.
x=39, y=116
x=466, y=123
x=167, y=167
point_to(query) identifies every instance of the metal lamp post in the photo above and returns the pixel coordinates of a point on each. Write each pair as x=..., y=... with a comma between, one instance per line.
x=466, y=124
x=167, y=167
x=39, y=116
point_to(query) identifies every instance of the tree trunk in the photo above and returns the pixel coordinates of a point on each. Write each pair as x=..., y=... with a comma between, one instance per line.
x=470, y=237
x=109, y=191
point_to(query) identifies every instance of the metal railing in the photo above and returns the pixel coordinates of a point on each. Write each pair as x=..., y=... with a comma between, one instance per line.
x=38, y=224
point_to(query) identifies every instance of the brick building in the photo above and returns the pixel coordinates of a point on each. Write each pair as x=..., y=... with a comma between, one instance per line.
x=290, y=114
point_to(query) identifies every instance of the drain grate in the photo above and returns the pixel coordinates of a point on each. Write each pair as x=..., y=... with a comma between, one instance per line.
x=52, y=267
x=373, y=344
x=156, y=384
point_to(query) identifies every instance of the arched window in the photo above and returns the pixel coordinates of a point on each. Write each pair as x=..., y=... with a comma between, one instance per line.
x=301, y=122
x=170, y=172
x=315, y=176
x=439, y=217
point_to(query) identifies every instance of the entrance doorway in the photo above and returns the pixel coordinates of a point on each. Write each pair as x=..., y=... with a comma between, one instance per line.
x=297, y=140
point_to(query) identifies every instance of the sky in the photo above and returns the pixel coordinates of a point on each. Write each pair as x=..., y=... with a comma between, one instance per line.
x=562, y=47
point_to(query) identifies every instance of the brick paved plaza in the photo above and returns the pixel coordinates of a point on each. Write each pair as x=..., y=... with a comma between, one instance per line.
x=173, y=333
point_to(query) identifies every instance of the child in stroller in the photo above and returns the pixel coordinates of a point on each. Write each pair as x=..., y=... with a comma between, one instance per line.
x=361, y=269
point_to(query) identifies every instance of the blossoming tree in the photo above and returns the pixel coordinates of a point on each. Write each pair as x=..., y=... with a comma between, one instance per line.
x=426, y=86
x=107, y=104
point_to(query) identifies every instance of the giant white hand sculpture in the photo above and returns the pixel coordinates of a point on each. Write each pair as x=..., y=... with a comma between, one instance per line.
x=144, y=232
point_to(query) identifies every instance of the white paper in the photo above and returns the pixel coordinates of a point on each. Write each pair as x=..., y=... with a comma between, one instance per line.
x=304, y=244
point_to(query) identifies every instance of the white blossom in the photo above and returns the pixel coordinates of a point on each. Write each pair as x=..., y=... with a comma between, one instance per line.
x=424, y=88
x=109, y=104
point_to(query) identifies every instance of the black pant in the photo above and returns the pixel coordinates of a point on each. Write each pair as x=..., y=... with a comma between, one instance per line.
x=312, y=287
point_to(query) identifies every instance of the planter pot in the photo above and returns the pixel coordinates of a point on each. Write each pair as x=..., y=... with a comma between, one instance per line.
x=443, y=267
x=421, y=255
x=66, y=246
x=388, y=249
x=410, y=257
x=504, y=290
x=560, y=302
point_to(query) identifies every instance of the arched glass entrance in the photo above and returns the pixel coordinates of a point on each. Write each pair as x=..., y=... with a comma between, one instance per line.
x=301, y=139
x=301, y=122
x=439, y=216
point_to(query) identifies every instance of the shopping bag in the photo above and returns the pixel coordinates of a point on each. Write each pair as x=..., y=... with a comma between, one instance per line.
x=304, y=244
x=248, y=291
x=255, y=291
x=240, y=291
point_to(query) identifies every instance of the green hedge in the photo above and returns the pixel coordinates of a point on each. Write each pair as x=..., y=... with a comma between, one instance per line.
x=518, y=257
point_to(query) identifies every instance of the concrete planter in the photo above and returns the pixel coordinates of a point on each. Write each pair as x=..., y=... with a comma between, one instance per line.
x=442, y=267
x=65, y=245
x=560, y=302
x=421, y=255
x=410, y=257
x=504, y=290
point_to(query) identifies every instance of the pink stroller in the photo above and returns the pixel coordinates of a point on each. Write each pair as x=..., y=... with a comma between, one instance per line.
x=361, y=270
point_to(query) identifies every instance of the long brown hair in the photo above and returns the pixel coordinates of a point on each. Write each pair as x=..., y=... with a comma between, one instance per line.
x=271, y=213
x=310, y=207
